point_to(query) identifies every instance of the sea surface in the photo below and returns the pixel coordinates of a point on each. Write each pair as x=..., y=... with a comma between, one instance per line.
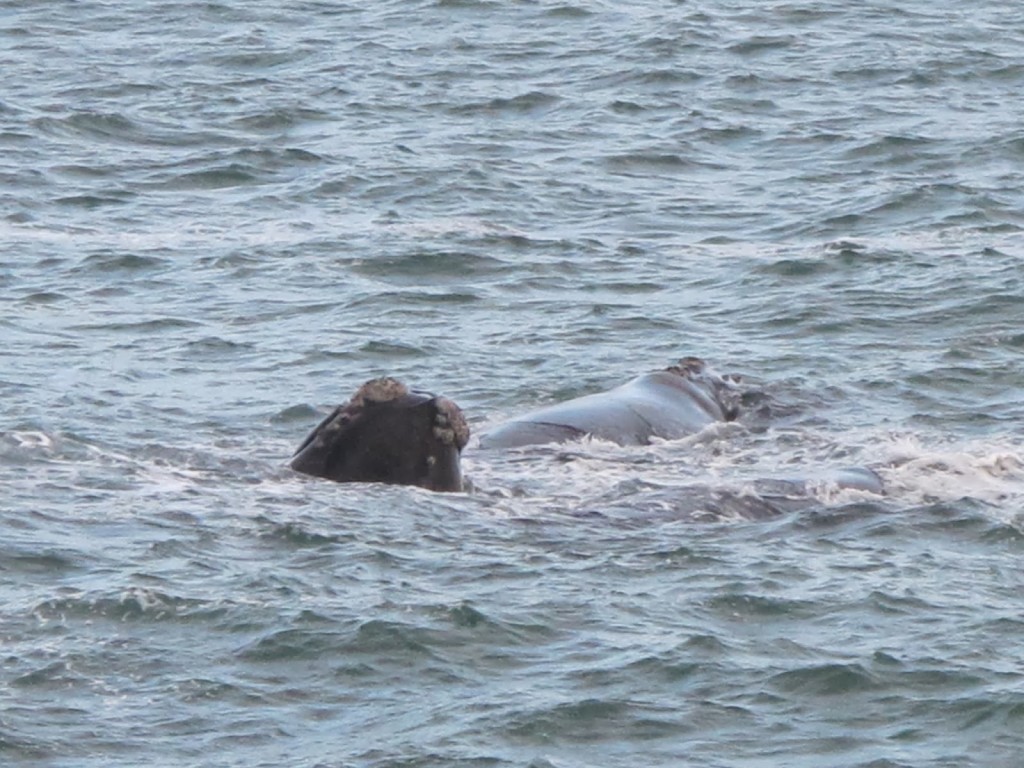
x=217, y=219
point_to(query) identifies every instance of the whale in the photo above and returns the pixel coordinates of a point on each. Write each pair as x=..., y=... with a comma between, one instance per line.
x=389, y=433
x=678, y=401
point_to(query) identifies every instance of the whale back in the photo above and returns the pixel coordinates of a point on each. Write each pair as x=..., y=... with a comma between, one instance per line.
x=668, y=404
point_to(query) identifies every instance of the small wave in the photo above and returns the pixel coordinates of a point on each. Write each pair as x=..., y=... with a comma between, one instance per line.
x=297, y=535
x=390, y=350
x=453, y=225
x=223, y=177
x=38, y=562
x=591, y=721
x=423, y=265
x=153, y=325
x=91, y=125
x=95, y=200
x=757, y=44
x=133, y=604
x=55, y=676
x=750, y=607
x=825, y=680
x=44, y=297
x=523, y=104
x=106, y=262
x=666, y=162
x=370, y=639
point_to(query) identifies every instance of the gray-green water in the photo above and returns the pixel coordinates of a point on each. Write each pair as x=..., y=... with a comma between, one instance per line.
x=218, y=217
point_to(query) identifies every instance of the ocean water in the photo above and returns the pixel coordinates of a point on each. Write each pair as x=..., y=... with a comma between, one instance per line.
x=219, y=218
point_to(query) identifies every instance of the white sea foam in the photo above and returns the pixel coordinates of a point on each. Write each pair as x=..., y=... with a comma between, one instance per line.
x=31, y=440
x=987, y=470
x=914, y=469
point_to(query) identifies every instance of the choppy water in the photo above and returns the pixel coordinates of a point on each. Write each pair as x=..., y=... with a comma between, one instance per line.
x=218, y=217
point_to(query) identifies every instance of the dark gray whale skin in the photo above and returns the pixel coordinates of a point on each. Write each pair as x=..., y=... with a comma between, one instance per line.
x=669, y=404
x=388, y=434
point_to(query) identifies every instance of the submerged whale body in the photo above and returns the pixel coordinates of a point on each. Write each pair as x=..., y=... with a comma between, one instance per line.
x=387, y=433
